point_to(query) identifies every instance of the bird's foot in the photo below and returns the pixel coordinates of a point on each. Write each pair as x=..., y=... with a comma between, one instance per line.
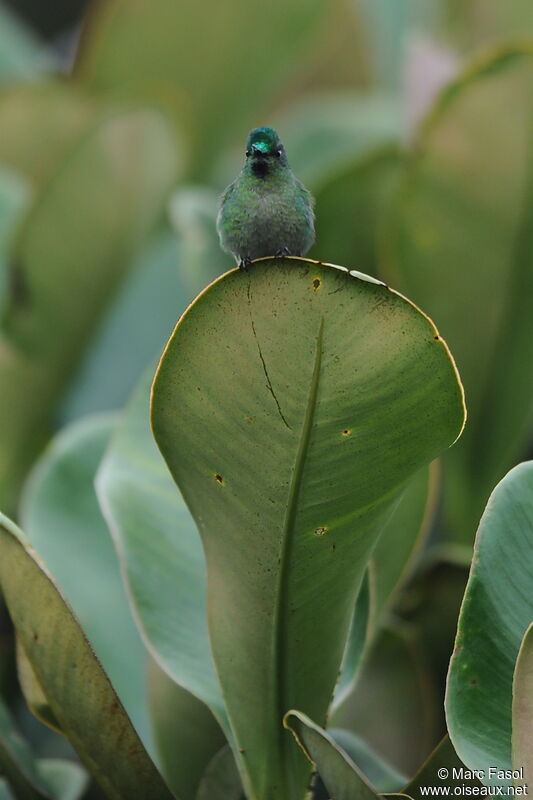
x=282, y=252
x=244, y=263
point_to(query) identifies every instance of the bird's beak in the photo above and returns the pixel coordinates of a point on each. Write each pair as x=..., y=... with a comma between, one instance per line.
x=257, y=150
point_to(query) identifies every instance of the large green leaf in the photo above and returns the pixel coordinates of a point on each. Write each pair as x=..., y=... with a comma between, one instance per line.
x=61, y=514
x=161, y=554
x=72, y=252
x=497, y=609
x=340, y=775
x=164, y=567
x=461, y=245
x=190, y=57
x=291, y=405
x=79, y=692
x=63, y=522
x=523, y=709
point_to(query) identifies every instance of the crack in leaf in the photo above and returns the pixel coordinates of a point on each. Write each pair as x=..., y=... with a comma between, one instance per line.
x=269, y=382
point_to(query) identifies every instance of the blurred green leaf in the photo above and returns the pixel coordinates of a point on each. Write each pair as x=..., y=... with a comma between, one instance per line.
x=401, y=540
x=471, y=23
x=497, y=610
x=41, y=123
x=15, y=195
x=152, y=526
x=132, y=331
x=350, y=207
x=338, y=59
x=432, y=598
x=377, y=770
x=391, y=561
x=67, y=780
x=190, y=58
x=338, y=772
x=325, y=133
x=396, y=684
x=355, y=645
x=63, y=522
x=310, y=404
x=78, y=690
x=22, y=56
x=193, y=211
x=461, y=245
x=221, y=780
x=104, y=198
x=186, y=733
x=5, y=794
x=174, y=265
x=522, y=709
x=17, y=763
x=389, y=25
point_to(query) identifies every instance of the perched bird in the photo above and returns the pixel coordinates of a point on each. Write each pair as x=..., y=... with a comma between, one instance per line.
x=266, y=211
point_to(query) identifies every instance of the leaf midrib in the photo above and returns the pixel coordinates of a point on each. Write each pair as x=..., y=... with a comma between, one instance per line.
x=280, y=615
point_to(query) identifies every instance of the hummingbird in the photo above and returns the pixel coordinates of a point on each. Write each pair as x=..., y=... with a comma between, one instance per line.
x=266, y=211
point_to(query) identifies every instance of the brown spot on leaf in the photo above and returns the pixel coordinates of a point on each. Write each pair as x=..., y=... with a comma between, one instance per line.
x=219, y=478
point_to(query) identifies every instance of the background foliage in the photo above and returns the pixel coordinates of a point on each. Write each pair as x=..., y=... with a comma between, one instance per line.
x=120, y=124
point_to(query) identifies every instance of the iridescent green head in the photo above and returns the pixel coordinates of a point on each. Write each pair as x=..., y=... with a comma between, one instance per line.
x=264, y=144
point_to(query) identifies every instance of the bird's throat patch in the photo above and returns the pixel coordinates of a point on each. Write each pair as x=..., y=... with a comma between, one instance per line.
x=260, y=167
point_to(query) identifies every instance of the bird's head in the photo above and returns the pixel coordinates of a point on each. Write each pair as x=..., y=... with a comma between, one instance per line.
x=264, y=151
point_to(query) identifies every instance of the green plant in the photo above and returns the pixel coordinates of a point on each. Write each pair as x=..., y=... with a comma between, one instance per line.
x=159, y=547
x=311, y=358
x=290, y=609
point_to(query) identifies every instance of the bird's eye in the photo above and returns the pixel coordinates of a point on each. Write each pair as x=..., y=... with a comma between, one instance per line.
x=278, y=153
x=248, y=153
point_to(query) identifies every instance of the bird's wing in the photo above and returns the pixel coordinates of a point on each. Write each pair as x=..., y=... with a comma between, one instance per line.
x=226, y=194
x=308, y=201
